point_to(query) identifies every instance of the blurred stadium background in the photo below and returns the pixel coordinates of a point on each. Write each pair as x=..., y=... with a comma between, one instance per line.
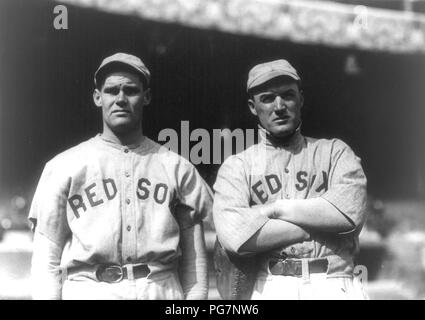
x=363, y=65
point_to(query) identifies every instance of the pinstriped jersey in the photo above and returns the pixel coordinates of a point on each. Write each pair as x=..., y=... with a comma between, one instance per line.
x=303, y=168
x=108, y=203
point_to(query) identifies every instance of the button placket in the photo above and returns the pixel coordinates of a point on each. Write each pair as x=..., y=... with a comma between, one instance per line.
x=132, y=218
x=290, y=194
x=128, y=209
x=288, y=179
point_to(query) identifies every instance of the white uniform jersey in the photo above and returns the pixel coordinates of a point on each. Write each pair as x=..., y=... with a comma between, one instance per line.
x=301, y=169
x=108, y=203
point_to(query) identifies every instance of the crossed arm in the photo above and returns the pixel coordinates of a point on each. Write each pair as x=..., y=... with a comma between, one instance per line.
x=243, y=228
x=291, y=220
x=315, y=213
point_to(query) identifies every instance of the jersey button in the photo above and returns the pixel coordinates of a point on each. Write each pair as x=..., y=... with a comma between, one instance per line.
x=126, y=150
x=127, y=201
x=286, y=170
x=127, y=174
x=128, y=228
x=129, y=259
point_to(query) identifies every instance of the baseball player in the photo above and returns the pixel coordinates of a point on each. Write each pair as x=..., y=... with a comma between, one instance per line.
x=296, y=202
x=119, y=216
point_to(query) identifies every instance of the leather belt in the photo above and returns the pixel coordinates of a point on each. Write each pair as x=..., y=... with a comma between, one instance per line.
x=111, y=273
x=293, y=267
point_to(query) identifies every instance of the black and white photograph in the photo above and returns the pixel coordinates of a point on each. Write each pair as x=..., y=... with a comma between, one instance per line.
x=224, y=150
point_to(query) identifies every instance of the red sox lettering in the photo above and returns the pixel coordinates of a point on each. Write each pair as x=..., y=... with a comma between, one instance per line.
x=96, y=194
x=273, y=185
x=303, y=182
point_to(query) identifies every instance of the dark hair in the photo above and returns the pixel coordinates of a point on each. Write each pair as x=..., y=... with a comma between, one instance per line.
x=260, y=88
x=116, y=67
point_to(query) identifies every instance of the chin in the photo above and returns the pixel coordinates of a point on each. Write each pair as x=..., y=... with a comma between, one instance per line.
x=282, y=132
x=123, y=127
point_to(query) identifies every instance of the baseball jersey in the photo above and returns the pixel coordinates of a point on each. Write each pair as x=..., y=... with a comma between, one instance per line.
x=108, y=203
x=299, y=169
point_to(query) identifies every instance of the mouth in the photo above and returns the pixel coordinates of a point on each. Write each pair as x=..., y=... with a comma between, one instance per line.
x=282, y=119
x=123, y=112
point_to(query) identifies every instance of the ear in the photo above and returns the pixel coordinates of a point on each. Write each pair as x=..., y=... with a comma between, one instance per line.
x=97, y=98
x=251, y=106
x=147, y=97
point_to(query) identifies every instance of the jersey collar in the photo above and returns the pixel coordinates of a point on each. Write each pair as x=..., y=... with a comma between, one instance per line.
x=140, y=145
x=293, y=141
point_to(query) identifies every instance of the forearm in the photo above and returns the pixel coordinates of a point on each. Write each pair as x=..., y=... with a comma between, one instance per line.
x=45, y=274
x=193, y=269
x=274, y=234
x=315, y=213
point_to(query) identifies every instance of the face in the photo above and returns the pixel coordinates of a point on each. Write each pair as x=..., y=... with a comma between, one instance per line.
x=278, y=107
x=122, y=99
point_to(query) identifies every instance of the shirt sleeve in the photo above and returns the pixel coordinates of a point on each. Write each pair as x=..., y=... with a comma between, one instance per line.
x=195, y=196
x=46, y=275
x=48, y=208
x=234, y=220
x=347, y=185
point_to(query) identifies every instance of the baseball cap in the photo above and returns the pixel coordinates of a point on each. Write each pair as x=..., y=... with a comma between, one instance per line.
x=127, y=59
x=264, y=72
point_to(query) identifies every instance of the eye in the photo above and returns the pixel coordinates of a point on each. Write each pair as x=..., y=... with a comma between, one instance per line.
x=267, y=98
x=288, y=95
x=131, y=91
x=111, y=90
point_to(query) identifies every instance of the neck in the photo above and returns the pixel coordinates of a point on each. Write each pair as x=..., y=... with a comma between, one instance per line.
x=287, y=140
x=123, y=138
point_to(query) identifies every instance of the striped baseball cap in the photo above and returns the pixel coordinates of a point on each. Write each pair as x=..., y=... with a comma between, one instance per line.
x=264, y=72
x=127, y=59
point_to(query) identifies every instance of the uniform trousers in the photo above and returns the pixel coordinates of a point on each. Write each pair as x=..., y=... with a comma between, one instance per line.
x=165, y=286
x=318, y=287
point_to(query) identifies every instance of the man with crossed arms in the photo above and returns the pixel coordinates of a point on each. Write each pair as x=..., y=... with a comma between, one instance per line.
x=296, y=202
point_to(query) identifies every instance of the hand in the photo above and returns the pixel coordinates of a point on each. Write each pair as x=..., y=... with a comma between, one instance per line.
x=269, y=210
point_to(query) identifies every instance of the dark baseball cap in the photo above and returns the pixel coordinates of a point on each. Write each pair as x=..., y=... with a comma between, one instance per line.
x=264, y=72
x=127, y=59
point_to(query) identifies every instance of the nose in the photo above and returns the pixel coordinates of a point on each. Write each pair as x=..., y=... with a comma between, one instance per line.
x=279, y=104
x=121, y=98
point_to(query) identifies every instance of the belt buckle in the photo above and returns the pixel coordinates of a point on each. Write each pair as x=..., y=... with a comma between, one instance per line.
x=280, y=267
x=108, y=273
x=290, y=268
x=296, y=268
